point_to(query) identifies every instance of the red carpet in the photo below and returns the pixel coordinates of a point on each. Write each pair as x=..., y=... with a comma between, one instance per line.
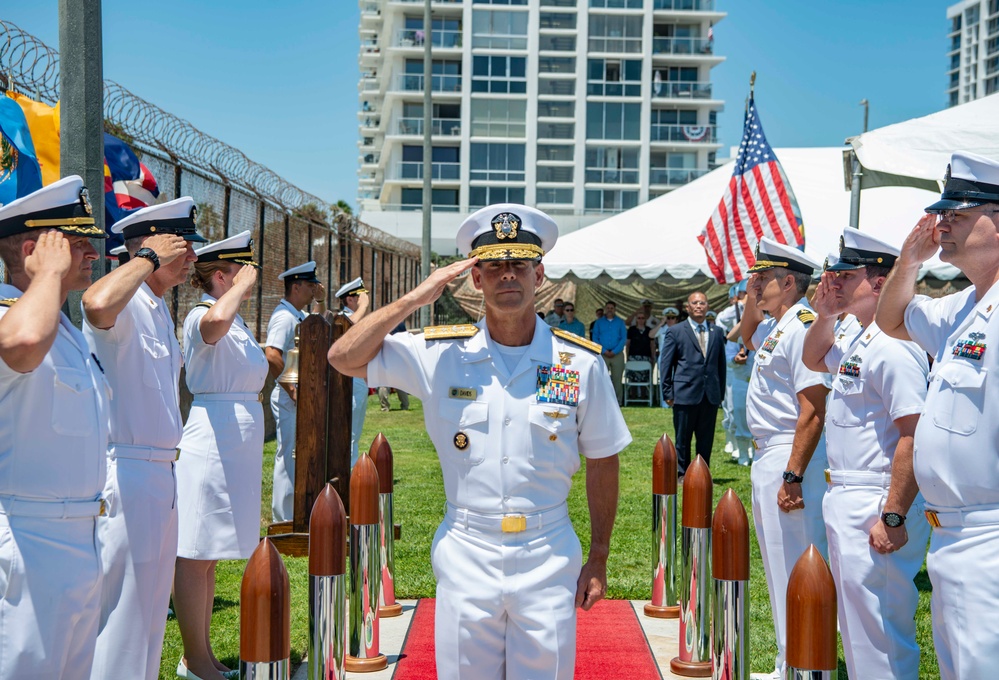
x=610, y=643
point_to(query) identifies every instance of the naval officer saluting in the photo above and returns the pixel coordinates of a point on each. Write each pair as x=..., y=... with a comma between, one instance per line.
x=53, y=440
x=128, y=326
x=510, y=404
x=354, y=300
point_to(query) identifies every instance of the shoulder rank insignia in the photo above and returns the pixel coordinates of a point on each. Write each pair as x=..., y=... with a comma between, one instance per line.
x=206, y=305
x=576, y=340
x=806, y=316
x=465, y=330
x=7, y=302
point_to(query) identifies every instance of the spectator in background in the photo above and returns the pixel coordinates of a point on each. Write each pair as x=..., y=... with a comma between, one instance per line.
x=610, y=333
x=555, y=316
x=670, y=316
x=645, y=309
x=383, y=392
x=571, y=323
x=599, y=315
x=639, y=344
x=711, y=316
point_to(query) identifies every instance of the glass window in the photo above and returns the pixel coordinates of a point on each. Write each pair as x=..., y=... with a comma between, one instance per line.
x=497, y=162
x=555, y=152
x=617, y=4
x=558, y=3
x=557, y=20
x=446, y=76
x=557, y=65
x=499, y=2
x=614, y=77
x=554, y=195
x=499, y=29
x=412, y=199
x=557, y=43
x=562, y=87
x=479, y=197
x=615, y=33
x=555, y=173
x=611, y=120
x=556, y=109
x=499, y=74
x=499, y=117
x=556, y=130
x=672, y=125
x=611, y=165
x=445, y=162
x=610, y=200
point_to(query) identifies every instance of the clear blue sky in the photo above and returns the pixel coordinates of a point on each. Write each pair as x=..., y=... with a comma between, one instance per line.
x=278, y=80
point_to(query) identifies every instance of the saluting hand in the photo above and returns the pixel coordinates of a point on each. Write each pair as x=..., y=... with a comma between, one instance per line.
x=922, y=242
x=246, y=278
x=824, y=302
x=51, y=255
x=429, y=290
x=168, y=247
x=319, y=295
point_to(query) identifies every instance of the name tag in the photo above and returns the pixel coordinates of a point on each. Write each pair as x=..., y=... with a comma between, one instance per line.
x=468, y=393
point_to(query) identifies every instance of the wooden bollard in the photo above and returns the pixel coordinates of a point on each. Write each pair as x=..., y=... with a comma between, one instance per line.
x=265, y=616
x=365, y=570
x=327, y=587
x=730, y=606
x=381, y=453
x=664, y=604
x=694, y=659
x=811, y=618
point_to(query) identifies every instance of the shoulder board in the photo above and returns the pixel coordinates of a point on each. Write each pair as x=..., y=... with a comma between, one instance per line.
x=576, y=340
x=465, y=330
x=206, y=305
x=806, y=316
x=7, y=302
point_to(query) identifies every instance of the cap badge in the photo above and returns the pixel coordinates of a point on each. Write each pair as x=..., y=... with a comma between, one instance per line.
x=947, y=174
x=85, y=201
x=194, y=215
x=842, y=244
x=506, y=225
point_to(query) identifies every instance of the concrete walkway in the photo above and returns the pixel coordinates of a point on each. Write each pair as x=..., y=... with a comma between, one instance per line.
x=663, y=636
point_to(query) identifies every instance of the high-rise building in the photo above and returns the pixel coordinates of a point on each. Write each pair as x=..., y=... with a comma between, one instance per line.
x=580, y=107
x=974, y=50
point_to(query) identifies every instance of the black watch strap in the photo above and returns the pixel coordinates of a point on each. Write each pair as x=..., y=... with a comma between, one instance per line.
x=149, y=254
x=792, y=478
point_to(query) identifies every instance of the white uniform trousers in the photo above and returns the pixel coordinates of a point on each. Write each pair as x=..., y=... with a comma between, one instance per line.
x=875, y=593
x=505, y=602
x=728, y=416
x=138, y=542
x=283, y=497
x=50, y=580
x=359, y=408
x=784, y=536
x=963, y=564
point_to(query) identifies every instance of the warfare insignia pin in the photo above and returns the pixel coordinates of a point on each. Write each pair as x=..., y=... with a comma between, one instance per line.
x=565, y=358
x=506, y=225
x=461, y=441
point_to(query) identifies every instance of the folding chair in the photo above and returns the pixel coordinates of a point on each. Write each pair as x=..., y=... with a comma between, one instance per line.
x=638, y=375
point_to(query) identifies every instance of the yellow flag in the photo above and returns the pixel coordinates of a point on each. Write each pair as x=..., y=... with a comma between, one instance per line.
x=43, y=122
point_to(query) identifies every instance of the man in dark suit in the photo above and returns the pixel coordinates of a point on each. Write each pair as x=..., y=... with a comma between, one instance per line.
x=692, y=366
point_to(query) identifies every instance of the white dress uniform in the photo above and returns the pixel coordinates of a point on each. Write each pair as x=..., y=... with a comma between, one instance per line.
x=281, y=336
x=847, y=327
x=53, y=444
x=505, y=601
x=221, y=453
x=359, y=409
x=772, y=414
x=876, y=380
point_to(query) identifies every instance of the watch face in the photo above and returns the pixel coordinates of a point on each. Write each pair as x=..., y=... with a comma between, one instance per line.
x=892, y=519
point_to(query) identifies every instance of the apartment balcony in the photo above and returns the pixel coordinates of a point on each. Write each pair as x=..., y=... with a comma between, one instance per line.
x=432, y=3
x=616, y=4
x=611, y=176
x=681, y=90
x=370, y=12
x=414, y=207
x=416, y=37
x=413, y=170
x=684, y=134
x=447, y=127
x=615, y=45
x=684, y=5
x=369, y=125
x=370, y=159
x=411, y=82
x=682, y=47
x=369, y=85
x=672, y=177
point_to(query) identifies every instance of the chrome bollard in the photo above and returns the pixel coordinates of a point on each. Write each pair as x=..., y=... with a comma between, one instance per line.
x=664, y=604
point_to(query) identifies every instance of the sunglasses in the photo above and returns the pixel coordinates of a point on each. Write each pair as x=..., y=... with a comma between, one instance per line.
x=954, y=214
x=570, y=309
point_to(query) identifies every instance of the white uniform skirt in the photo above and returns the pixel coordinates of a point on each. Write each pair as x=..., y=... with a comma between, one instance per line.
x=218, y=480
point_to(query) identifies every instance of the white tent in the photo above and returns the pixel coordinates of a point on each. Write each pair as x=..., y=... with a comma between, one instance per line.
x=659, y=238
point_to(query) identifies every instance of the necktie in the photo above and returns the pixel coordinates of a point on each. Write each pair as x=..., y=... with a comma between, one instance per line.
x=702, y=336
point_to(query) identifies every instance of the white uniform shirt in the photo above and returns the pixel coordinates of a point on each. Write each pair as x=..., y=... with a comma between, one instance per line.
x=779, y=374
x=281, y=327
x=956, y=452
x=521, y=452
x=54, y=433
x=236, y=363
x=876, y=380
x=142, y=360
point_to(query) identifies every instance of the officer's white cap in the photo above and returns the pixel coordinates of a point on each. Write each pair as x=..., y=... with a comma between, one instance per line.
x=118, y=250
x=711, y=314
x=355, y=286
x=303, y=272
x=770, y=254
x=174, y=217
x=859, y=249
x=671, y=311
x=63, y=205
x=238, y=249
x=971, y=180
x=507, y=231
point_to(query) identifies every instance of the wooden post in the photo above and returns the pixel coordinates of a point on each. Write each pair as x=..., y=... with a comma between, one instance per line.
x=339, y=417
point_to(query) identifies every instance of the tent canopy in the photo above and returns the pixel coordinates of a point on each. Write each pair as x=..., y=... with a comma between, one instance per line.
x=659, y=238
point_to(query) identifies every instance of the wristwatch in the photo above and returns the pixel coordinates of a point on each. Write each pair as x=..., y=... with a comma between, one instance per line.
x=149, y=254
x=792, y=478
x=892, y=519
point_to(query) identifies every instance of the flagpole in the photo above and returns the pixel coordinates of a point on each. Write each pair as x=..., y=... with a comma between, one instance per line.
x=428, y=152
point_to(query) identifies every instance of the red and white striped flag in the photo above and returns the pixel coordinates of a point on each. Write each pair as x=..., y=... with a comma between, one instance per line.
x=757, y=203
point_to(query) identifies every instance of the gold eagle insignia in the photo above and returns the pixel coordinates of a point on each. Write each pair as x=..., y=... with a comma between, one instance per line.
x=450, y=332
x=576, y=340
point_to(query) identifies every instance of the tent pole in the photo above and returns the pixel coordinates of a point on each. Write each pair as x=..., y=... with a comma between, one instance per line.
x=855, y=187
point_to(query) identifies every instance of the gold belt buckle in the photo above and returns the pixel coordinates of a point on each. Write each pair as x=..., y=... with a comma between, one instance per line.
x=260, y=397
x=177, y=457
x=104, y=508
x=828, y=477
x=513, y=524
x=756, y=445
x=933, y=518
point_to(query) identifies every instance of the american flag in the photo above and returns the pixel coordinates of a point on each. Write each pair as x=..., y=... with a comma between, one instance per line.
x=756, y=204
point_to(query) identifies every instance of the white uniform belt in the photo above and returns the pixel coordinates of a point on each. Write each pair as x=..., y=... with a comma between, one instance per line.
x=980, y=515
x=24, y=507
x=773, y=440
x=507, y=523
x=143, y=452
x=229, y=396
x=858, y=478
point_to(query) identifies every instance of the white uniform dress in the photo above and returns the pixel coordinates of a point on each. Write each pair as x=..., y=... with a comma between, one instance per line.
x=505, y=601
x=772, y=413
x=142, y=360
x=957, y=469
x=876, y=380
x=359, y=408
x=281, y=336
x=53, y=448
x=221, y=454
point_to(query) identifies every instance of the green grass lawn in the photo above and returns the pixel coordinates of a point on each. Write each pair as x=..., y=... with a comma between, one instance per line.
x=419, y=500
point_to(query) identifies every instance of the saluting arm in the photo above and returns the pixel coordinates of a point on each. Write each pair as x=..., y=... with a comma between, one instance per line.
x=601, y=498
x=217, y=321
x=819, y=337
x=751, y=319
x=898, y=291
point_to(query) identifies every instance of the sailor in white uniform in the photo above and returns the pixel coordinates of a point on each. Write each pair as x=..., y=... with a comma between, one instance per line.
x=301, y=288
x=785, y=410
x=872, y=509
x=128, y=326
x=53, y=440
x=510, y=405
x=221, y=454
x=354, y=302
x=956, y=458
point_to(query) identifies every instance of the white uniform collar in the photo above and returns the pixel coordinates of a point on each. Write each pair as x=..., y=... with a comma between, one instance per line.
x=478, y=347
x=299, y=314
